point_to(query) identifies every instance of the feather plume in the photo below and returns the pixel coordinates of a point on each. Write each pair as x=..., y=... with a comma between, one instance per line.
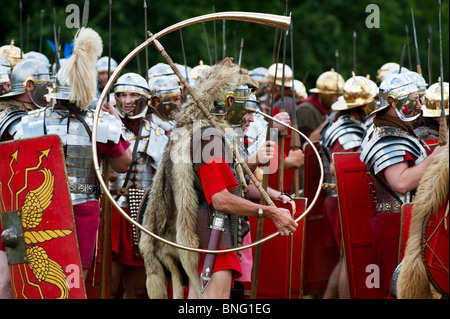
x=80, y=68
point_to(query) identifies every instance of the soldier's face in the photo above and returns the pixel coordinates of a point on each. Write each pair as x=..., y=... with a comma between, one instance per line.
x=248, y=120
x=177, y=101
x=127, y=101
x=103, y=78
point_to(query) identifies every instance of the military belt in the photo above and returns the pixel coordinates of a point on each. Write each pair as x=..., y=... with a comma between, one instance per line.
x=79, y=188
x=388, y=207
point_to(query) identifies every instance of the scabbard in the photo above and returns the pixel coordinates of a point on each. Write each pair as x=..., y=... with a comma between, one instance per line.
x=213, y=244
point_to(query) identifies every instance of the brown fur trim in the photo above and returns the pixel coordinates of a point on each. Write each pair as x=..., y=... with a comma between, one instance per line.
x=433, y=189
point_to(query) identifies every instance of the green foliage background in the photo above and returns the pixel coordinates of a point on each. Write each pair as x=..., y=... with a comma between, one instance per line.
x=320, y=28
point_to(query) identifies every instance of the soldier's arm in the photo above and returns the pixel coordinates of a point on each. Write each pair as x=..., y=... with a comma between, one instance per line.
x=226, y=202
x=403, y=178
x=121, y=164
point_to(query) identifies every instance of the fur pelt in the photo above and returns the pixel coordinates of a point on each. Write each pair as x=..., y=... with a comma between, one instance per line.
x=80, y=68
x=431, y=193
x=171, y=212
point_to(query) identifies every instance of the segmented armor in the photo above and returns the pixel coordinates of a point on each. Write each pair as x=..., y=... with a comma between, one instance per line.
x=76, y=139
x=383, y=147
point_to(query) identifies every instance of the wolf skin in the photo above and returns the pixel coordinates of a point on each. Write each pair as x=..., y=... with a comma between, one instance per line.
x=431, y=193
x=171, y=211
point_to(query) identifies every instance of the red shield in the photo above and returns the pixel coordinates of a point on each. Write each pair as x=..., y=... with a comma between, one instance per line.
x=435, y=249
x=319, y=258
x=281, y=258
x=35, y=204
x=356, y=208
x=406, y=223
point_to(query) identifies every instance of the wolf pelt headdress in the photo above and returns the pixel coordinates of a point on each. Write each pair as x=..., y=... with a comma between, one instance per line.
x=171, y=211
x=433, y=190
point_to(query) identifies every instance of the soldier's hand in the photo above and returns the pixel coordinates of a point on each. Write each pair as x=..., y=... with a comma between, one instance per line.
x=297, y=157
x=107, y=107
x=282, y=220
x=283, y=117
x=265, y=152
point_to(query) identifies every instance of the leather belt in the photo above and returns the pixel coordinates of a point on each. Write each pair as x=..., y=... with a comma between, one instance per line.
x=388, y=207
x=78, y=188
x=120, y=191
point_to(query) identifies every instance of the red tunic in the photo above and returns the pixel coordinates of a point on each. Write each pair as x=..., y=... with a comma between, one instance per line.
x=216, y=175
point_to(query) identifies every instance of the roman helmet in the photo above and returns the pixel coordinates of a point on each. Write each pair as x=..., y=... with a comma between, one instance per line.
x=300, y=90
x=5, y=63
x=30, y=70
x=397, y=87
x=76, y=81
x=235, y=113
x=259, y=74
x=198, y=71
x=276, y=69
x=432, y=107
x=12, y=53
x=358, y=91
x=329, y=82
x=163, y=89
x=132, y=83
x=38, y=56
x=102, y=64
x=381, y=72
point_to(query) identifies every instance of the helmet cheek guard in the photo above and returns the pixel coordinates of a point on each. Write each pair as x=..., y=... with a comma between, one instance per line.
x=408, y=109
x=37, y=95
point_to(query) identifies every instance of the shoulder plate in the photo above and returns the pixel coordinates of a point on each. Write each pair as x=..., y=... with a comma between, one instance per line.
x=347, y=130
x=9, y=119
x=386, y=146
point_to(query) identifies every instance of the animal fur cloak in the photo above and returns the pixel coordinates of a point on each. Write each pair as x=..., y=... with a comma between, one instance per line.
x=171, y=212
x=431, y=194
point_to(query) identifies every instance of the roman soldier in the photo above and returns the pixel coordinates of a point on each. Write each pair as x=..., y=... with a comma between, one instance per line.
x=30, y=80
x=147, y=142
x=72, y=120
x=427, y=126
x=5, y=82
x=165, y=100
x=197, y=184
x=342, y=132
x=396, y=159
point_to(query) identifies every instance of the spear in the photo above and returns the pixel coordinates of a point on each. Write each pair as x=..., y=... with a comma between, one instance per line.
x=105, y=274
x=146, y=37
x=430, y=68
x=354, y=51
x=443, y=121
x=215, y=41
x=224, y=45
x=207, y=43
x=336, y=54
x=407, y=46
x=85, y=19
x=40, y=30
x=240, y=51
x=21, y=43
x=419, y=68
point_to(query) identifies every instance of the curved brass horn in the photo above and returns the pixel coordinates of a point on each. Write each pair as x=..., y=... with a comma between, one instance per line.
x=282, y=22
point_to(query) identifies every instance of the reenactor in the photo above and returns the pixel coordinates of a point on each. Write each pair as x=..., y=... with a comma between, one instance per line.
x=397, y=160
x=147, y=141
x=190, y=191
x=343, y=131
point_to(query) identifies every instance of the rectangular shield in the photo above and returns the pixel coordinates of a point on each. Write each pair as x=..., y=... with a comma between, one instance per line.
x=281, y=258
x=35, y=202
x=356, y=207
x=319, y=258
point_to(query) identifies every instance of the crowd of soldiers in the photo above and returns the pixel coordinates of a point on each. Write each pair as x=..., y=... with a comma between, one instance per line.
x=148, y=120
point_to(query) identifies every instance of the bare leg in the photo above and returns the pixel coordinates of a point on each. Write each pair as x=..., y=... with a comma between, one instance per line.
x=134, y=283
x=218, y=288
x=5, y=279
x=331, y=292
